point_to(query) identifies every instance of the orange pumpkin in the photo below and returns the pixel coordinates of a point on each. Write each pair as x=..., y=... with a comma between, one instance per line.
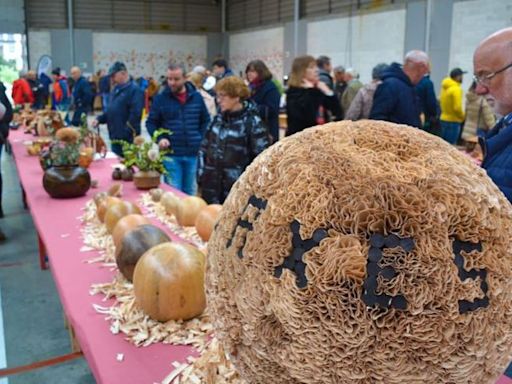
x=188, y=210
x=84, y=160
x=105, y=204
x=118, y=211
x=134, y=244
x=206, y=220
x=169, y=282
x=170, y=202
x=126, y=224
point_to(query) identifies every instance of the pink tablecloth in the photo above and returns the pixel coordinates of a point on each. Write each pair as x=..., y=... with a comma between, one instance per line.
x=73, y=278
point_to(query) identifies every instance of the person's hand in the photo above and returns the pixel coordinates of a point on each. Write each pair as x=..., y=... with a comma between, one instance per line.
x=95, y=123
x=324, y=88
x=163, y=144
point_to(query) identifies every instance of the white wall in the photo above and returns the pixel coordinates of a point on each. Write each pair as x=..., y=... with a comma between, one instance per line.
x=376, y=38
x=473, y=21
x=148, y=54
x=266, y=45
x=40, y=44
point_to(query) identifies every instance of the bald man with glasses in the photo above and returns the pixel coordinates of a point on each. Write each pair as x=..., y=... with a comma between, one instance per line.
x=493, y=75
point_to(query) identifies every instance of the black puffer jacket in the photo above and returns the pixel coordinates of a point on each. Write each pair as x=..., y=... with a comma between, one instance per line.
x=4, y=122
x=230, y=144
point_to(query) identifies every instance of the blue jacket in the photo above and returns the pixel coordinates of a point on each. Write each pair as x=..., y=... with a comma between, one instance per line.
x=497, y=147
x=267, y=99
x=187, y=122
x=124, y=112
x=395, y=99
x=82, y=94
x=82, y=100
x=427, y=97
x=105, y=84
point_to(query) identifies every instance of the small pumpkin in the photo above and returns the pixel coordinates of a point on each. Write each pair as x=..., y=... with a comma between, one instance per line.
x=188, y=210
x=117, y=211
x=134, y=244
x=169, y=282
x=206, y=220
x=105, y=204
x=170, y=202
x=126, y=224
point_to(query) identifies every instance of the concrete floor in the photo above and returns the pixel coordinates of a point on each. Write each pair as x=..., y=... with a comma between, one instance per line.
x=31, y=310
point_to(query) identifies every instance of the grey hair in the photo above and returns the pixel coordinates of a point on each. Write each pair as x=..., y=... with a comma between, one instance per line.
x=339, y=69
x=352, y=72
x=378, y=70
x=173, y=67
x=416, y=56
x=199, y=69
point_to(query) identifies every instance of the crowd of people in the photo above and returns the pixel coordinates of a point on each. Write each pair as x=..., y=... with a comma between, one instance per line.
x=219, y=122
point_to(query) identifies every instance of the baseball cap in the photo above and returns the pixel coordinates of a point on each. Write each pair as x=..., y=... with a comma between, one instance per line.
x=116, y=67
x=456, y=72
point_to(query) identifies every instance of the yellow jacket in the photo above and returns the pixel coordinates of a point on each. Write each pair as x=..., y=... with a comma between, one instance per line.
x=451, y=101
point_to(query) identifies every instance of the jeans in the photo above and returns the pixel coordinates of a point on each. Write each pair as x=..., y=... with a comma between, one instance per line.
x=77, y=116
x=450, y=131
x=181, y=173
x=64, y=107
x=117, y=149
x=481, y=132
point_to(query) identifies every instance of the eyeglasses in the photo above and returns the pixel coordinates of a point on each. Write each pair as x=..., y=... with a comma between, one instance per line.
x=486, y=79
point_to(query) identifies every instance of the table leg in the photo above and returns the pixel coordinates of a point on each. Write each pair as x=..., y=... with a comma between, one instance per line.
x=42, y=253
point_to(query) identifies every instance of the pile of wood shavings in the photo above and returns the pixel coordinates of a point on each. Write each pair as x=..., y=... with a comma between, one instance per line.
x=212, y=367
x=186, y=233
x=126, y=317
x=95, y=236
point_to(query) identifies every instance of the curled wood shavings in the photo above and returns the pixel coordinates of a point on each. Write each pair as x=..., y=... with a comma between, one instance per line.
x=158, y=210
x=212, y=367
x=127, y=318
x=96, y=237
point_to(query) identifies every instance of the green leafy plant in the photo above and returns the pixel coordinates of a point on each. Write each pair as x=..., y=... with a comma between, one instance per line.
x=145, y=155
x=65, y=148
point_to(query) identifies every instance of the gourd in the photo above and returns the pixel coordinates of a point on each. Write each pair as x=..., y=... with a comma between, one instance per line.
x=169, y=282
x=134, y=244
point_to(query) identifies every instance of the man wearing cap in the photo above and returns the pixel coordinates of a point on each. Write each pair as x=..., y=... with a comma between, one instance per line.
x=124, y=110
x=82, y=96
x=493, y=75
x=452, y=114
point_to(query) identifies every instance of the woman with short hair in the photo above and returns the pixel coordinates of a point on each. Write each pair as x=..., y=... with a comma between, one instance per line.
x=234, y=138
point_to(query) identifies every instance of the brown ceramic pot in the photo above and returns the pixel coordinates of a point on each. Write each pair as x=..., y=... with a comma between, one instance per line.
x=146, y=179
x=62, y=182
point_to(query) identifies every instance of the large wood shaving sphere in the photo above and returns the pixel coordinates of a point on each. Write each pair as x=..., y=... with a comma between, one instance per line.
x=363, y=252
